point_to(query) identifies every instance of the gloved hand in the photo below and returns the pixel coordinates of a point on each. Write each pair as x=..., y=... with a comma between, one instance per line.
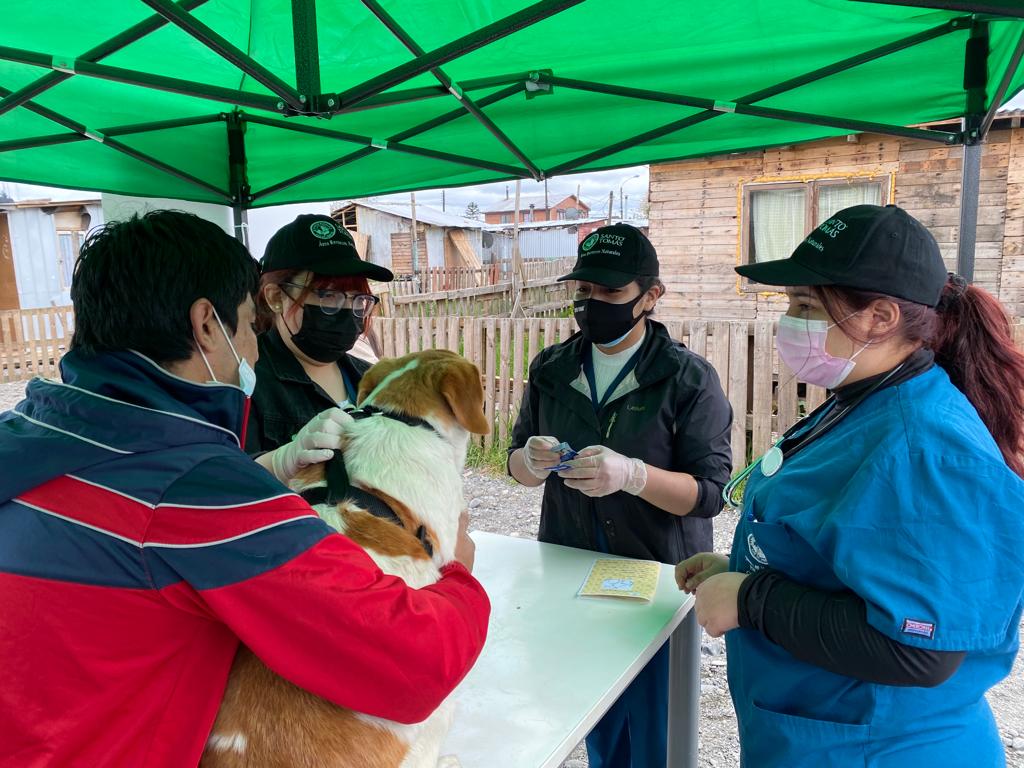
x=537, y=455
x=598, y=471
x=314, y=443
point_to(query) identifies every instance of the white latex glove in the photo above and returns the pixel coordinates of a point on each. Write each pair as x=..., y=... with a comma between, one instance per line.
x=315, y=443
x=537, y=455
x=598, y=471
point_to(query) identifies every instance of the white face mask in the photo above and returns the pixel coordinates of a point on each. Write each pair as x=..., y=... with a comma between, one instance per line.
x=246, y=375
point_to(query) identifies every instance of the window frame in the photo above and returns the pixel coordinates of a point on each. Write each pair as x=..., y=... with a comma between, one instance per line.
x=811, y=184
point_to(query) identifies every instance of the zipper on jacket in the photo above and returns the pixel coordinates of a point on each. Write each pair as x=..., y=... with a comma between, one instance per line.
x=611, y=423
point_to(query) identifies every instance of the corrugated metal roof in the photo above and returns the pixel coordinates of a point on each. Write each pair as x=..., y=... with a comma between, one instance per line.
x=556, y=223
x=424, y=213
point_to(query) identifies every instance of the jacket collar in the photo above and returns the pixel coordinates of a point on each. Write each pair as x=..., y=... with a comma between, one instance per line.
x=153, y=407
x=655, y=364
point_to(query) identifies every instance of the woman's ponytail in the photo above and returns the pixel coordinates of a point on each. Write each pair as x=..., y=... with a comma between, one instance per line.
x=974, y=343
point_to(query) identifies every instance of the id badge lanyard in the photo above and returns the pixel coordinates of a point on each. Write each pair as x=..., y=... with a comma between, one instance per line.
x=588, y=370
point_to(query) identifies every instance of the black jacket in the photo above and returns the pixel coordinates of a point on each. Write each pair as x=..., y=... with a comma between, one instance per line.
x=673, y=415
x=286, y=398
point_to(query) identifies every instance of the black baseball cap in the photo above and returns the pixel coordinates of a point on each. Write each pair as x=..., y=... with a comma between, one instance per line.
x=321, y=245
x=614, y=256
x=867, y=247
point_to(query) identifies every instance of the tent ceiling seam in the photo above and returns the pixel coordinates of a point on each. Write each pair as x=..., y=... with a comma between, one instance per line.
x=219, y=45
x=465, y=101
x=107, y=48
x=816, y=75
x=462, y=46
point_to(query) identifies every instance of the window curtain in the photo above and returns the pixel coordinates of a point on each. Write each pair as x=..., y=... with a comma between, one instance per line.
x=832, y=198
x=777, y=222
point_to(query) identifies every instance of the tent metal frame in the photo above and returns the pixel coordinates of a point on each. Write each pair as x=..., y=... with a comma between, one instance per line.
x=306, y=98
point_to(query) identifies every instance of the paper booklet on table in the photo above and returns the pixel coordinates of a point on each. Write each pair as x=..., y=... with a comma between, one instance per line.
x=637, y=579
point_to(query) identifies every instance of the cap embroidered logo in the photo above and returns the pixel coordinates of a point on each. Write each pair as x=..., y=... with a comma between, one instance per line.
x=323, y=230
x=590, y=242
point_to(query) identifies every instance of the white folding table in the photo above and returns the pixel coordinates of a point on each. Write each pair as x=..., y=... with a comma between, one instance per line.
x=554, y=662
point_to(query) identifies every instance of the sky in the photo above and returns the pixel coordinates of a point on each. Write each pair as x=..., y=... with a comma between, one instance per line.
x=594, y=189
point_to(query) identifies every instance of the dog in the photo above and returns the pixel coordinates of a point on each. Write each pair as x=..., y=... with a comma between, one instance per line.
x=404, y=453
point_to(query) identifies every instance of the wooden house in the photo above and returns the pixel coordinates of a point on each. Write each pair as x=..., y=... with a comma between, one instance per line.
x=708, y=215
x=383, y=235
x=41, y=231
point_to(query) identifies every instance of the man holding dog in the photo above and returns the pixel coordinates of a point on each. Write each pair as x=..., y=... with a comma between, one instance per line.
x=139, y=544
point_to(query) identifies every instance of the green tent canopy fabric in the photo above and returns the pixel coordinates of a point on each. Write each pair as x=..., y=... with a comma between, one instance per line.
x=262, y=102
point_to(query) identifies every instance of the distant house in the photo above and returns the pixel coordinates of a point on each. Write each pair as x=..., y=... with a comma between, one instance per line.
x=382, y=231
x=710, y=214
x=533, y=208
x=555, y=239
x=41, y=231
x=586, y=227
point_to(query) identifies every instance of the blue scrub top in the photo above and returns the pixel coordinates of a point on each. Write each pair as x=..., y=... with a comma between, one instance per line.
x=908, y=503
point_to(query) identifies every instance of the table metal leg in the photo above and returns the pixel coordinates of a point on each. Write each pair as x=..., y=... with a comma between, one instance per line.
x=684, y=694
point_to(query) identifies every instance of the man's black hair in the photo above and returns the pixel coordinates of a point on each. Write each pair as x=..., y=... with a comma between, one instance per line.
x=136, y=280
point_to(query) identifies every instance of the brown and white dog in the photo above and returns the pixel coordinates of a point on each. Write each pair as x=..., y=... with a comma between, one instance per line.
x=267, y=722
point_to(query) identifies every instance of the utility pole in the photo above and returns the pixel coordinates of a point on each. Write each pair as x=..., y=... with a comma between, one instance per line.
x=547, y=209
x=442, y=201
x=611, y=194
x=414, y=240
x=517, y=261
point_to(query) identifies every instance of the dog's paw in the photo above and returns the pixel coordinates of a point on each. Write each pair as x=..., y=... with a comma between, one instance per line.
x=448, y=761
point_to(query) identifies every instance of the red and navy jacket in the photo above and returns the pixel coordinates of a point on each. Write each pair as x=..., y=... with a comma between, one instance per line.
x=139, y=545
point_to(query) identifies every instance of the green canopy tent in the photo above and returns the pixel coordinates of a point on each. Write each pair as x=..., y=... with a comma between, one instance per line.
x=253, y=103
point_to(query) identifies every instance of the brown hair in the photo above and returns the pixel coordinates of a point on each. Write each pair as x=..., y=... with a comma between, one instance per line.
x=971, y=336
x=265, y=315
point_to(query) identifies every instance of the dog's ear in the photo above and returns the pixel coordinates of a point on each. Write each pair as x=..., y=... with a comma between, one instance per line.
x=462, y=390
x=374, y=376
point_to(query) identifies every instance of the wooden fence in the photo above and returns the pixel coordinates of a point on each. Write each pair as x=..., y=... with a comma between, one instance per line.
x=32, y=342
x=743, y=354
x=765, y=402
x=439, y=279
x=540, y=297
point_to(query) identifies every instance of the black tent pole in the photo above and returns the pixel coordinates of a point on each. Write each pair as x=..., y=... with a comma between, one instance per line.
x=975, y=82
x=238, y=177
x=307, y=51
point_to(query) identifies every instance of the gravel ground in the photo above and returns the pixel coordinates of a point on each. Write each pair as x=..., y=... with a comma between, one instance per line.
x=498, y=505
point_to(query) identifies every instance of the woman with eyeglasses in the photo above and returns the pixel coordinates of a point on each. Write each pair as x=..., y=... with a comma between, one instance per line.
x=315, y=301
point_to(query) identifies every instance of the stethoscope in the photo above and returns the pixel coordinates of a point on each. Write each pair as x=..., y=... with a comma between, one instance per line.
x=772, y=460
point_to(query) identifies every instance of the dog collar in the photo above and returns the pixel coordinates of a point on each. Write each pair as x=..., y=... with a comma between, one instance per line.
x=372, y=504
x=372, y=411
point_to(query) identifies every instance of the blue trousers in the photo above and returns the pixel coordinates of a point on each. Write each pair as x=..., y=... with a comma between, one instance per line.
x=634, y=732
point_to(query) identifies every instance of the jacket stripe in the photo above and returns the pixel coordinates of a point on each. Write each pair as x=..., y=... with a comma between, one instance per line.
x=52, y=428
x=45, y=545
x=236, y=560
x=94, y=506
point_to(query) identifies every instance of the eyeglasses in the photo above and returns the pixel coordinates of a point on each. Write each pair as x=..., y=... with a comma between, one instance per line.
x=331, y=302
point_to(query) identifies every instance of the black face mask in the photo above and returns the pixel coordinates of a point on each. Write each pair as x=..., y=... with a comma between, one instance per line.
x=325, y=338
x=601, y=322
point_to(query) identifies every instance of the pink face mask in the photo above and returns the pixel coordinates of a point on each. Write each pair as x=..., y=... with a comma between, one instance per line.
x=801, y=345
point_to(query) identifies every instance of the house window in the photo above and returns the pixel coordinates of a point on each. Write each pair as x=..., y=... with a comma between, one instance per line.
x=506, y=218
x=348, y=218
x=71, y=226
x=68, y=245
x=778, y=216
